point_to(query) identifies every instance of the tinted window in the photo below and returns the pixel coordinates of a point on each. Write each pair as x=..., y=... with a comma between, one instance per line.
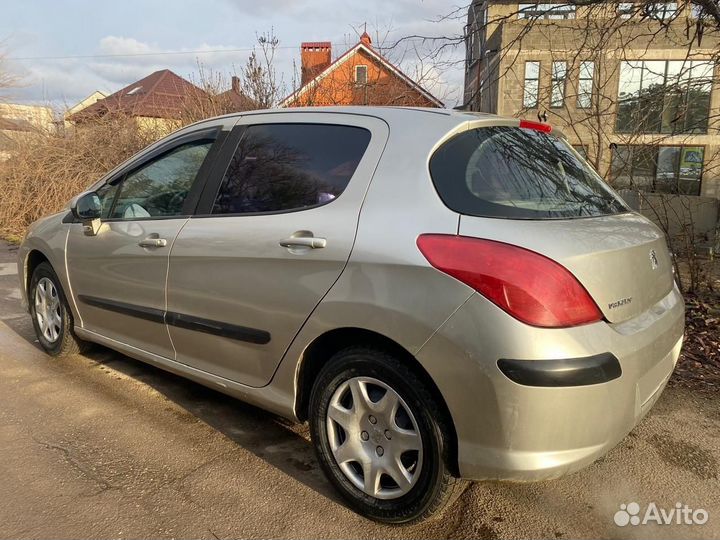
x=290, y=166
x=159, y=188
x=518, y=173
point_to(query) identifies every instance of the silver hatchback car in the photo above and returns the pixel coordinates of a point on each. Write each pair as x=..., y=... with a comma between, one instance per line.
x=442, y=295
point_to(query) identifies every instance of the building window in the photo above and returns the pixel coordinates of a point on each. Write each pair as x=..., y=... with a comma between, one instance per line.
x=471, y=44
x=559, y=75
x=474, y=31
x=699, y=12
x=532, y=85
x=546, y=11
x=585, y=85
x=361, y=74
x=626, y=10
x=658, y=169
x=661, y=10
x=664, y=96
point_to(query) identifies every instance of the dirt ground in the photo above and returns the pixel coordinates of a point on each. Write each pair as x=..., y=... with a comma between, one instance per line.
x=104, y=446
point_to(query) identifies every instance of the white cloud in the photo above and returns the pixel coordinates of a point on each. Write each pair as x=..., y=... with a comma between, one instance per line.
x=293, y=22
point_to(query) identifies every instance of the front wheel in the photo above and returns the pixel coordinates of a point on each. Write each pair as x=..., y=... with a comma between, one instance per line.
x=380, y=439
x=51, y=315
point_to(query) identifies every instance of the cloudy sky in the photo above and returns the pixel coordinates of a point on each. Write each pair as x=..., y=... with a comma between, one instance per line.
x=63, y=51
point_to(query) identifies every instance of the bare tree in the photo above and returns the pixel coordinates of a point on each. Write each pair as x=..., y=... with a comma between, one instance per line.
x=259, y=79
x=583, y=85
x=7, y=78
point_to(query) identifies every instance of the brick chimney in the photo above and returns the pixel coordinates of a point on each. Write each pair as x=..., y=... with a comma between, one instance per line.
x=235, y=84
x=314, y=57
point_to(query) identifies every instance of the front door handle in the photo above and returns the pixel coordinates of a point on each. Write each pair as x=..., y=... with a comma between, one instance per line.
x=152, y=242
x=304, y=241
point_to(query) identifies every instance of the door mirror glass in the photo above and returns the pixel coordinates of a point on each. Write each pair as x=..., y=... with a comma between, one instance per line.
x=87, y=207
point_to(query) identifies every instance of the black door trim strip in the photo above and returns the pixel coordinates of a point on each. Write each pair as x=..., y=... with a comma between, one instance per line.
x=180, y=320
x=146, y=313
x=217, y=328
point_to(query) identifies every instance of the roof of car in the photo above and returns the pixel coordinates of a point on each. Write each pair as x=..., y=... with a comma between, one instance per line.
x=373, y=110
x=392, y=115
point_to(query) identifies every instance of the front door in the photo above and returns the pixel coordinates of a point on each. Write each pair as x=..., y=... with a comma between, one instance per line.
x=245, y=276
x=118, y=277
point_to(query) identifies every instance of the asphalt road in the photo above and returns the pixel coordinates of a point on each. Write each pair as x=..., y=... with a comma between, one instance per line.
x=103, y=446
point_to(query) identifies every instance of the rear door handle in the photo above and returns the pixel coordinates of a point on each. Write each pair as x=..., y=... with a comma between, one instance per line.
x=151, y=242
x=304, y=241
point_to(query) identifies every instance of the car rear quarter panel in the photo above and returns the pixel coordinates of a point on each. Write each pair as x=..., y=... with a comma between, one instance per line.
x=388, y=287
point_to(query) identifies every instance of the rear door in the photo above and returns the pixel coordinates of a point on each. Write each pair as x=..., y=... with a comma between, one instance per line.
x=269, y=240
x=529, y=188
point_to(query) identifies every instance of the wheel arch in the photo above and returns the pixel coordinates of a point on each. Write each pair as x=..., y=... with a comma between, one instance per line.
x=322, y=348
x=34, y=258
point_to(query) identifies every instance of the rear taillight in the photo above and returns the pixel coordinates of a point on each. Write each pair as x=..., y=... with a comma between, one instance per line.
x=530, y=287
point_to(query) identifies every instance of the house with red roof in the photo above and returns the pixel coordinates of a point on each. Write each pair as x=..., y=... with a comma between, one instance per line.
x=360, y=76
x=159, y=100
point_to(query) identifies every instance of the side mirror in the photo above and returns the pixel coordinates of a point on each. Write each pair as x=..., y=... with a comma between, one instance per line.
x=88, y=209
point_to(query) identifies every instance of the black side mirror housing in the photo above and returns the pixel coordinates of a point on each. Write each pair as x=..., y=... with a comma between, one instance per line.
x=87, y=207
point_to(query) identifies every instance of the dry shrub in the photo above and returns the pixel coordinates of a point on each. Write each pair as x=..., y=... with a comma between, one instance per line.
x=45, y=171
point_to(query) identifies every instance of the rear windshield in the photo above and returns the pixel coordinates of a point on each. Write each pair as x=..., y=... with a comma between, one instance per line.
x=518, y=173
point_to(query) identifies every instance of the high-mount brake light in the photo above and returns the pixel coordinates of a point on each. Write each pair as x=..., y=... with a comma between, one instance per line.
x=537, y=126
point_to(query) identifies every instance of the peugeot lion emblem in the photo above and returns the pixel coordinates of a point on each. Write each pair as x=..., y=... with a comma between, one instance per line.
x=653, y=259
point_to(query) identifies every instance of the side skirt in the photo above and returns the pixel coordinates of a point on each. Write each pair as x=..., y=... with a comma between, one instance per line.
x=267, y=397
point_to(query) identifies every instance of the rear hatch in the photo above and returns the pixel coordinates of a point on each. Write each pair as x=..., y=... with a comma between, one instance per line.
x=529, y=188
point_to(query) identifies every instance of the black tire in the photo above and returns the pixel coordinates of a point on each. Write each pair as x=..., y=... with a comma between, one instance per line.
x=66, y=343
x=435, y=486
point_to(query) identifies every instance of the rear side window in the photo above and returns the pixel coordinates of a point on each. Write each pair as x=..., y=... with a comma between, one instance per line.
x=518, y=173
x=284, y=167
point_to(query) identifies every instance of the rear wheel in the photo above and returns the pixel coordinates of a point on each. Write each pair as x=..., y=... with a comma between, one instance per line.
x=51, y=315
x=379, y=437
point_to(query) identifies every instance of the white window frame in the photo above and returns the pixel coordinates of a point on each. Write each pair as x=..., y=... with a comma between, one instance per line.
x=559, y=82
x=661, y=11
x=555, y=10
x=536, y=102
x=583, y=77
x=626, y=10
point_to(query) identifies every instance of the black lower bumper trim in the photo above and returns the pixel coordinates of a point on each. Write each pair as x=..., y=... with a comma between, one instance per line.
x=597, y=369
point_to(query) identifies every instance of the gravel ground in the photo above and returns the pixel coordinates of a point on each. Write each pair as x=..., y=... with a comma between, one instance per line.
x=104, y=446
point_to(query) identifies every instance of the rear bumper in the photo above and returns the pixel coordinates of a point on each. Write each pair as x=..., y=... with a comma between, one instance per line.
x=547, y=413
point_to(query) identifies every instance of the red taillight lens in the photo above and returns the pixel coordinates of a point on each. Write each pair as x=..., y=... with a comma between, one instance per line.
x=530, y=287
x=537, y=126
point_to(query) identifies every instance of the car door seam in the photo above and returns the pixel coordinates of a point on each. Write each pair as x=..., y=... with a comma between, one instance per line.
x=347, y=260
x=165, y=287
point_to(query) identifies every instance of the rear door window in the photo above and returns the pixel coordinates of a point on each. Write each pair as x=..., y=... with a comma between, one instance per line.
x=285, y=167
x=511, y=172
